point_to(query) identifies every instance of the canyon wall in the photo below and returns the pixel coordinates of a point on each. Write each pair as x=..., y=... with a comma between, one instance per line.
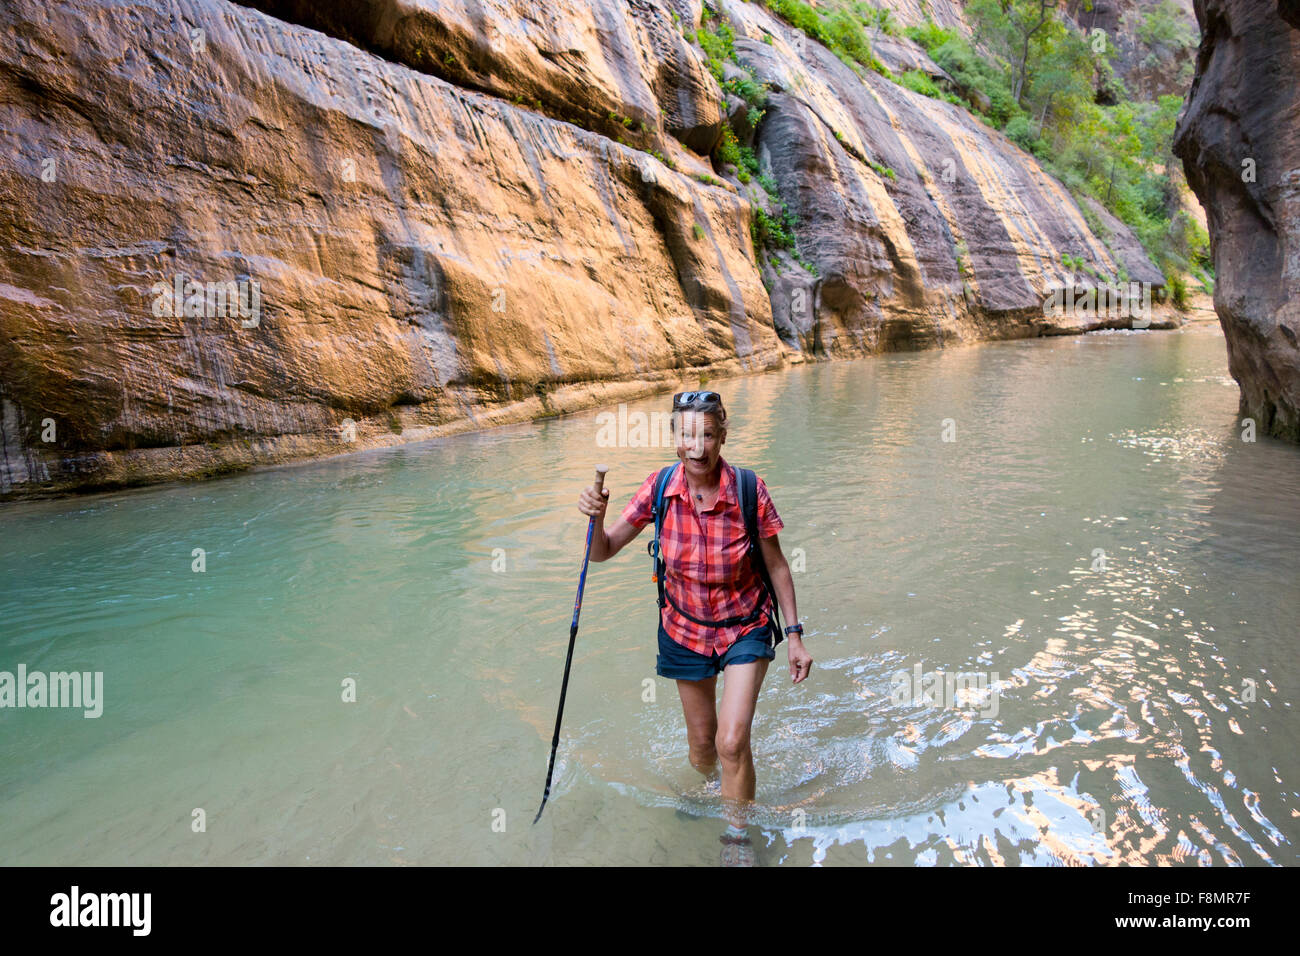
x=236, y=236
x=1239, y=139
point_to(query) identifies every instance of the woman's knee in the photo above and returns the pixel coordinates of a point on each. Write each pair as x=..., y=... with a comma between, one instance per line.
x=702, y=740
x=732, y=741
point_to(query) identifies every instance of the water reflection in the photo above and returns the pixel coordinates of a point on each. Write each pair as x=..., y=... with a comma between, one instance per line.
x=1097, y=543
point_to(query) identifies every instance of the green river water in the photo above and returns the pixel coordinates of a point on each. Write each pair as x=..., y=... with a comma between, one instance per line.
x=1098, y=541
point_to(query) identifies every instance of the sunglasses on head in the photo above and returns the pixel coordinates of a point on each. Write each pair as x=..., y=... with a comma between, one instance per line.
x=686, y=399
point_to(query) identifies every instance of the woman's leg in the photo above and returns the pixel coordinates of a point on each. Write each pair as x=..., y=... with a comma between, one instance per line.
x=740, y=686
x=699, y=706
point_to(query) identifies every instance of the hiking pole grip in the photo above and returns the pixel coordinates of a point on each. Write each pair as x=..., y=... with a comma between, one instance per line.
x=601, y=471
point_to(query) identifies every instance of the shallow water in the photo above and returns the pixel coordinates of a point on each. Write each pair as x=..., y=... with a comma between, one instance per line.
x=1117, y=724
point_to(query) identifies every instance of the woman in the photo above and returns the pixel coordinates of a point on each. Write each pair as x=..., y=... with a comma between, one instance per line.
x=708, y=578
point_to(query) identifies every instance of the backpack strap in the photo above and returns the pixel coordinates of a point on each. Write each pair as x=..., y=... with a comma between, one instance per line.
x=656, y=552
x=747, y=491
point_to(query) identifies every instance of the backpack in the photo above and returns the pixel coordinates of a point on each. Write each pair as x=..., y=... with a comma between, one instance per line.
x=747, y=492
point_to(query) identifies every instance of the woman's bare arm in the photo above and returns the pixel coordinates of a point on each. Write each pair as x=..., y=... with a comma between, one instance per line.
x=778, y=569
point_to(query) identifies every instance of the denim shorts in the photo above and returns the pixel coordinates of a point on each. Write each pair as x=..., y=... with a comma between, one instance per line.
x=681, y=663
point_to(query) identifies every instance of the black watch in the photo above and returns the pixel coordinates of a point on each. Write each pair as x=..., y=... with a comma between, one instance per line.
x=795, y=628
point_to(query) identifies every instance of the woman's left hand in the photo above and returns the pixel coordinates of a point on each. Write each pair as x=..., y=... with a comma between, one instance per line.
x=800, y=659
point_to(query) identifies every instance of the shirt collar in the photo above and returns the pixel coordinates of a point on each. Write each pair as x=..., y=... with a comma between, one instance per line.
x=726, y=486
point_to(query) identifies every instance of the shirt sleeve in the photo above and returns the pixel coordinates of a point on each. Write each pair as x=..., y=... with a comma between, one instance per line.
x=769, y=522
x=640, y=510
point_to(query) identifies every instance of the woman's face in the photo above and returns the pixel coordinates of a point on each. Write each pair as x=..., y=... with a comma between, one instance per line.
x=699, y=442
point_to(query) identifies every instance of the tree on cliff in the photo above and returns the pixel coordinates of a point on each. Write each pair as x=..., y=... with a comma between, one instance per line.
x=1011, y=27
x=1053, y=89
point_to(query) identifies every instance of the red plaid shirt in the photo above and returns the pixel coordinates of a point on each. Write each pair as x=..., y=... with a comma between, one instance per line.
x=707, y=574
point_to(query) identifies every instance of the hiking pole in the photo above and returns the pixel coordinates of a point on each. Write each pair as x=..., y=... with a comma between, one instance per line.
x=573, y=634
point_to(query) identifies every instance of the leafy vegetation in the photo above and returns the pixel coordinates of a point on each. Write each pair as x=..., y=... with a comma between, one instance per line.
x=1176, y=284
x=717, y=39
x=772, y=232
x=878, y=18
x=841, y=30
x=728, y=150
x=1053, y=91
x=1166, y=35
x=717, y=42
x=1072, y=263
x=1026, y=71
x=666, y=160
x=749, y=90
x=742, y=157
x=882, y=170
x=919, y=82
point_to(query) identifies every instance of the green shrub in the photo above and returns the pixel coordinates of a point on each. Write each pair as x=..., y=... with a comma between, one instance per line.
x=919, y=82
x=969, y=70
x=840, y=31
x=882, y=170
x=881, y=19
x=1093, y=220
x=808, y=266
x=1176, y=283
x=728, y=150
x=753, y=93
x=770, y=232
x=931, y=36
x=1021, y=132
x=718, y=45
x=846, y=33
x=800, y=15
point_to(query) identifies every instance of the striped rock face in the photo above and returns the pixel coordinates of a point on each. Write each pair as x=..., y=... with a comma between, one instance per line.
x=924, y=225
x=236, y=236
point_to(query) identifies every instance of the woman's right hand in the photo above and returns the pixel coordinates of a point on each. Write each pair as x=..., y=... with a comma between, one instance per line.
x=590, y=503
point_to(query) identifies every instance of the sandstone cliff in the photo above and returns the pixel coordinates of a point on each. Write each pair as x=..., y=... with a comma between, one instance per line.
x=1239, y=139
x=438, y=216
x=1161, y=67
